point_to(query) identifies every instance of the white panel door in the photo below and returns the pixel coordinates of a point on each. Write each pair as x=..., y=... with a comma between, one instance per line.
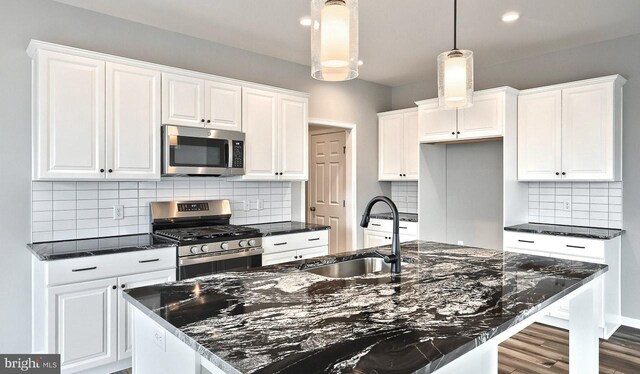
x=125, y=313
x=304, y=254
x=390, y=147
x=278, y=258
x=376, y=238
x=293, y=138
x=223, y=106
x=539, y=136
x=327, y=187
x=436, y=125
x=133, y=122
x=260, y=123
x=587, y=132
x=411, y=148
x=70, y=117
x=485, y=119
x=182, y=100
x=82, y=323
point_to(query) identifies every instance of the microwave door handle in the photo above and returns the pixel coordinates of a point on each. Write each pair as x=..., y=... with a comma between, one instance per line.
x=226, y=154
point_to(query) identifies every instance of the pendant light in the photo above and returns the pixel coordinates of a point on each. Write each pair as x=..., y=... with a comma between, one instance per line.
x=334, y=39
x=455, y=73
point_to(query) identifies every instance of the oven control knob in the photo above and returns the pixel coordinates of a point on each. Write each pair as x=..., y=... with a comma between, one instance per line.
x=252, y=242
x=204, y=248
x=193, y=250
x=224, y=245
x=242, y=243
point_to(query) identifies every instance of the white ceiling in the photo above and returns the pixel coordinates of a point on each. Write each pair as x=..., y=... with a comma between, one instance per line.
x=399, y=39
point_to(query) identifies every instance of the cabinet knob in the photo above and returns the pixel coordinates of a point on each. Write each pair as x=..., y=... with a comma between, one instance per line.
x=563, y=173
x=110, y=170
x=276, y=173
x=202, y=120
x=114, y=287
x=208, y=121
x=453, y=132
x=122, y=286
x=102, y=170
x=458, y=132
x=557, y=173
x=280, y=173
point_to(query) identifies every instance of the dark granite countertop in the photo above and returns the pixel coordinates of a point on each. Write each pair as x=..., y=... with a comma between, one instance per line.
x=288, y=227
x=48, y=251
x=408, y=217
x=448, y=300
x=562, y=230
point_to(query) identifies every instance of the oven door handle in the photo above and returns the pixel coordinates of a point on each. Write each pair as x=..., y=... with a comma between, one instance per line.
x=209, y=258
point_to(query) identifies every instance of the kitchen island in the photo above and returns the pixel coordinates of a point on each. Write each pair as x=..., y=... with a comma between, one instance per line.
x=446, y=313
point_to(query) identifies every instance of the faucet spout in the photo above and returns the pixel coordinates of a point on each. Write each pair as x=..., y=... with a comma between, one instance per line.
x=394, y=259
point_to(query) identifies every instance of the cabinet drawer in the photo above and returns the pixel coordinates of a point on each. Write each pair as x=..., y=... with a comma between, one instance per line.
x=529, y=242
x=106, y=266
x=278, y=258
x=292, y=242
x=579, y=249
x=313, y=252
x=386, y=225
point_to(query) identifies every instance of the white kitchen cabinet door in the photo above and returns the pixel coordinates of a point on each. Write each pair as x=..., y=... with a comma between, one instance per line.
x=376, y=238
x=260, y=124
x=539, y=136
x=390, y=147
x=82, y=323
x=485, y=119
x=307, y=253
x=278, y=258
x=182, y=100
x=125, y=313
x=293, y=138
x=69, y=115
x=436, y=125
x=411, y=148
x=132, y=123
x=588, y=132
x=223, y=106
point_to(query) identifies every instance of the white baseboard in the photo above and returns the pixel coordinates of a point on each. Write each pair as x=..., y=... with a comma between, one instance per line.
x=631, y=322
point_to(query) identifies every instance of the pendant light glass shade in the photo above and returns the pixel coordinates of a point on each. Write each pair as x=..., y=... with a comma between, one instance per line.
x=334, y=39
x=455, y=79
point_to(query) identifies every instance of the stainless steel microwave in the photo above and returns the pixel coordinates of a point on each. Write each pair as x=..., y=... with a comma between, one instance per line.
x=201, y=151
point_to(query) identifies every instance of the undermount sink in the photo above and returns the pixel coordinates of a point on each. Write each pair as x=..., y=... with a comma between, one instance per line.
x=352, y=268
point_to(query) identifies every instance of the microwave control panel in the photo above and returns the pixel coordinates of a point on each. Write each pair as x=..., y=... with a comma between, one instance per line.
x=238, y=154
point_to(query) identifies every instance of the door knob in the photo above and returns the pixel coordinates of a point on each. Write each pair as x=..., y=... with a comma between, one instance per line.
x=313, y=208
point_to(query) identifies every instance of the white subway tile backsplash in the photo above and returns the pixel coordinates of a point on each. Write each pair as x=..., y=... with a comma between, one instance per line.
x=72, y=210
x=405, y=196
x=595, y=204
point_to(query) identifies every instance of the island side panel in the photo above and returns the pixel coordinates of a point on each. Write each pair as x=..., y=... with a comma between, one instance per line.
x=156, y=351
x=583, y=331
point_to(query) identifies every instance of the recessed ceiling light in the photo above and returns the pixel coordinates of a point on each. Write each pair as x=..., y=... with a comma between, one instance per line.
x=360, y=62
x=305, y=21
x=510, y=17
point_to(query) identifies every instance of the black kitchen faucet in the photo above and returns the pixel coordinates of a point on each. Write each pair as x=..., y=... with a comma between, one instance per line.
x=394, y=259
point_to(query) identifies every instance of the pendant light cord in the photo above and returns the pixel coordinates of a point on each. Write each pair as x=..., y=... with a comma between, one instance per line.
x=455, y=24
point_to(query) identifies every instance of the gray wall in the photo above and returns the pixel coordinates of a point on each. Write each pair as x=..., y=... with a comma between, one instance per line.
x=619, y=56
x=22, y=20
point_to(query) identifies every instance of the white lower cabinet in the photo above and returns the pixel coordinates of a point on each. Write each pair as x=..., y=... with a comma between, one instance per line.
x=380, y=232
x=578, y=249
x=86, y=320
x=293, y=247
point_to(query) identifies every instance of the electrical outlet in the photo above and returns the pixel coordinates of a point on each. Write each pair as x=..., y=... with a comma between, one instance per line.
x=159, y=338
x=566, y=203
x=118, y=212
x=460, y=242
x=259, y=204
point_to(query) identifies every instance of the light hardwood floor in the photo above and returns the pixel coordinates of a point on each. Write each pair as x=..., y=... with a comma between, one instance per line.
x=542, y=349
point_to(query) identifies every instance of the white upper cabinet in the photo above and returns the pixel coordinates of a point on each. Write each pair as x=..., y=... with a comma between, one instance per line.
x=436, y=125
x=223, y=106
x=571, y=131
x=276, y=127
x=294, y=129
x=132, y=122
x=398, y=146
x=484, y=120
x=182, y=100
x=390, y=143
x=196, y=102
x=69, y=117
x=539, y=129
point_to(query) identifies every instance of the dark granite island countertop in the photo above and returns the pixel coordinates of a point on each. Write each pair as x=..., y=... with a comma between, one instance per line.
x=448, y=300
x=48, y=251
x=288, y=227
x=563, y=230
x=407, y=217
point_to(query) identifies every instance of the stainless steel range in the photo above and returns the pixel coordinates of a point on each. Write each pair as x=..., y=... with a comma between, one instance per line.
x=207, y=243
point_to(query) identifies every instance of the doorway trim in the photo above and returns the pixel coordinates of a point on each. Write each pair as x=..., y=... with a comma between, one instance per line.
x=351, y=175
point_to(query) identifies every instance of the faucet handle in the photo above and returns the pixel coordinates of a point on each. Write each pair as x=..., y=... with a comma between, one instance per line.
x=387, y=258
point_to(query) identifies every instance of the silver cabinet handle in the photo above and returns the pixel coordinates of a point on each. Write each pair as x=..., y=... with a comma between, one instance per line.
x=84, y=269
